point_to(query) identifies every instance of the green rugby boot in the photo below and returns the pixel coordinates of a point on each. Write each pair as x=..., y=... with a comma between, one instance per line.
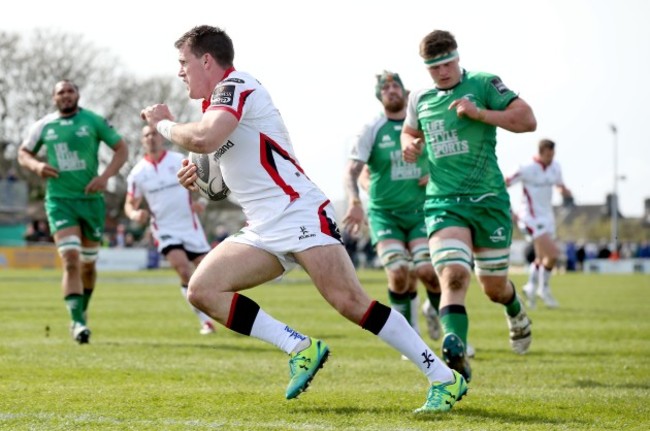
x=443, y=396
x=455, y=355
x=304, y=365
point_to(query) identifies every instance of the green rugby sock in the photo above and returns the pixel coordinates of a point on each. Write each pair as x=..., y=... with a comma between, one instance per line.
x=75, y=303
x=514, y=306
x=401, y=302
x=454, y=320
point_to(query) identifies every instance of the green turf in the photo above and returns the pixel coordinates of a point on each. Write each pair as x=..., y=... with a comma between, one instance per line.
x=147, y=367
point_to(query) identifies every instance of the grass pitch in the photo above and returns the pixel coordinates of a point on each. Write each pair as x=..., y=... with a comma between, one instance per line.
x=147, y=367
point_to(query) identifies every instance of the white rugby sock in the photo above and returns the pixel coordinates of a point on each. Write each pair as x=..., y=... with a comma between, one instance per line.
x=273, y=331
x=533, y=275
x=546, y=276
x=400, y=335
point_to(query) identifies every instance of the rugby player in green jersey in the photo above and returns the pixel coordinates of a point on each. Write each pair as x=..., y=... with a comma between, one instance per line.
x=396, y=196
x=74, y=202
x=467, y=206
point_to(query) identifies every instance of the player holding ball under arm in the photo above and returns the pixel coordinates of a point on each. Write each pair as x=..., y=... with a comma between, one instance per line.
x=289, y=222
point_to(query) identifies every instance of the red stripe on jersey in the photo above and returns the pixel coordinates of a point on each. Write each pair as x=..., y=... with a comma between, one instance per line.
x=240, y=106
x=530, y=202
x=267, y=147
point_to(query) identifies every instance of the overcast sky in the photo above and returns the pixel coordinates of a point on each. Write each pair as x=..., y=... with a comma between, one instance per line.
x=582, y=65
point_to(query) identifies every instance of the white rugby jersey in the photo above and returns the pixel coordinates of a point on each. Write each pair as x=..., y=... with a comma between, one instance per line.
x=537, y=182
x=257, y=160
x=169, y=202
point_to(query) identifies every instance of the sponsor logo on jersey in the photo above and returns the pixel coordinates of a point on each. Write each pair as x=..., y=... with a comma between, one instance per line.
x=499, y=85
x=235, y=80
x=50, y=135
x=470, y=97
x=386, y=142
x=83, y=131
x=222, y=150
x=304, y=233
x=223, y=95
x=498, y=235
x=64, y=122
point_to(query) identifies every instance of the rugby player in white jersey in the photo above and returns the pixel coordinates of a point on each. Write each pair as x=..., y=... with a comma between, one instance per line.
x=175, y=224
x=535, y=218
x=289, y=221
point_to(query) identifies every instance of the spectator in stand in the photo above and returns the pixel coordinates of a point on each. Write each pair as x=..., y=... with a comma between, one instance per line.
x=603, y=250
x=643, y=251
x=38, y=231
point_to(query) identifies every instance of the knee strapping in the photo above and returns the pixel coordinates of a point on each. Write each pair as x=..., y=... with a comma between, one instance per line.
x=68, y=243
x=445, y=252
x=394, y=257
x=89, y=254
x=492, y=262
x=421, y=255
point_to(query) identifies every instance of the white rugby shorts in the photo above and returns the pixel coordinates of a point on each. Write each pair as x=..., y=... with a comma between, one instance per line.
x=534, y=227
x=192, y=241
x=307, y=222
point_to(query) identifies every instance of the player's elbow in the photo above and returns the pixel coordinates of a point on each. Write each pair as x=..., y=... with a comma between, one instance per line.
x=530, y=124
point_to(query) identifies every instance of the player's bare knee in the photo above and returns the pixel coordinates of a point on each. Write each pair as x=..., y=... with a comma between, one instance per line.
x=498, y=289
x=195, y=294
x=456, y=278
x=88, y=269
x=399, y=279
x=428, y=276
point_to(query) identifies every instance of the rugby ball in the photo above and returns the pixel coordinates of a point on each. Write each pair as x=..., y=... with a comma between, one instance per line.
x=210, y=182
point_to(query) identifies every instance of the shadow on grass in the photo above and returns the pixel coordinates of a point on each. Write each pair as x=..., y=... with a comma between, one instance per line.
x=591, y=384
x=480, y=415
x=506, y=418
x=352, y=410
x=220, y=347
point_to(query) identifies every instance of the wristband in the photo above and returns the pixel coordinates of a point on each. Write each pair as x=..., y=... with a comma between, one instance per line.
x=481, y=114
x=164, y=127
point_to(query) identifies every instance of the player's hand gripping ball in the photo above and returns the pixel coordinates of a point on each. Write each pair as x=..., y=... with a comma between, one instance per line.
x=209, y=179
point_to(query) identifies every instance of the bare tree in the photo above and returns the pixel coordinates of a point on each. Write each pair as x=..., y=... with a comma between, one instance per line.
x=32, y=64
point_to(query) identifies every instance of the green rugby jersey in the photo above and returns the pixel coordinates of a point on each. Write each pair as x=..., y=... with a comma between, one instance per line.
x=393, y=182
x=72, y=145
x=461, y=152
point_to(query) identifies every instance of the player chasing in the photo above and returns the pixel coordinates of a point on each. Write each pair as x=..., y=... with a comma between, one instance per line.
x=468, y=207
x=73, y=199
x=536, y=219
x=175, y=224
x=289, y=222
